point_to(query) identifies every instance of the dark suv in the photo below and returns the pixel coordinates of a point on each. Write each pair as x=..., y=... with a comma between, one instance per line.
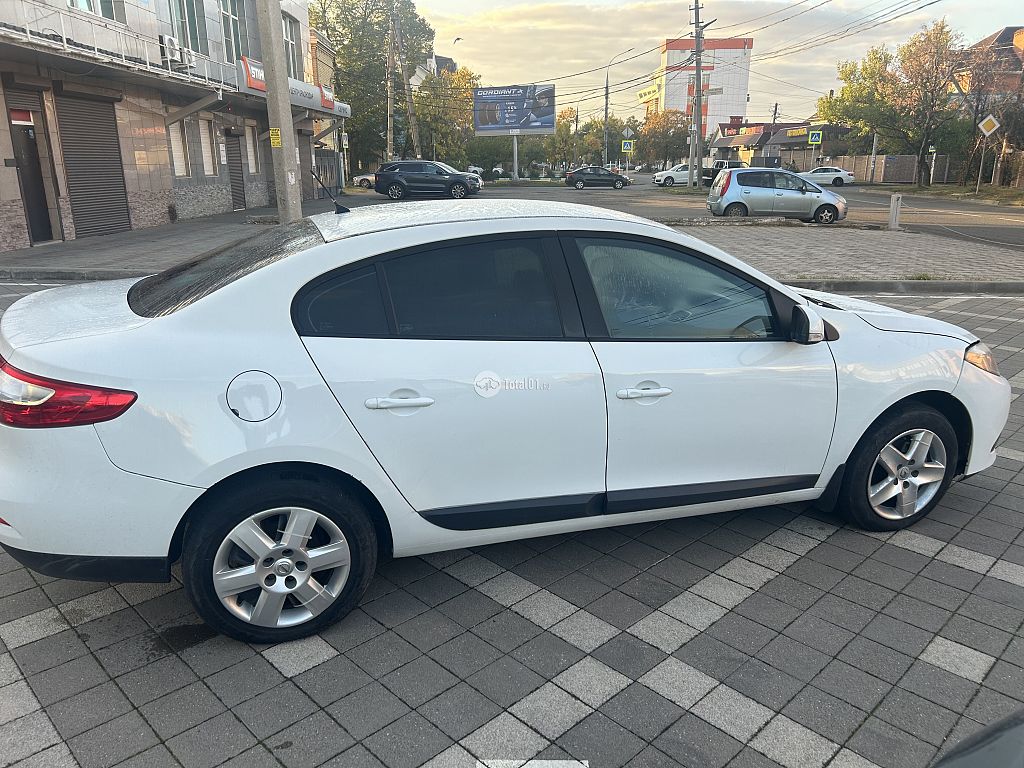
x=595, y=176
x=401, y=178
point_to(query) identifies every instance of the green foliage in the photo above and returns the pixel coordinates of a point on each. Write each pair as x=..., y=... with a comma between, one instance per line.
x=664, y=137
x=444, y=108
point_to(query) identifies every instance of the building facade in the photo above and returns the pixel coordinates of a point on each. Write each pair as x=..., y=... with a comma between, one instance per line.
x=124, y=114
x=725, y=65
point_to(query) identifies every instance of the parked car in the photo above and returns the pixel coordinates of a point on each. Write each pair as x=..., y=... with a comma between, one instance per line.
x=287, y=412
x=498, y=170
x=774, y=192
x=595, y=176
x=829, y=175
x=364, y=180
x=421, y=177
x=710, y=173
x=670, y=176
x=475, y=169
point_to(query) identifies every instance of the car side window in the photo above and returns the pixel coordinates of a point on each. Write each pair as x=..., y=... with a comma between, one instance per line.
x=785, y=181
x=488, y=289
x=754, y=179
x=648, y=291
x=349, y=304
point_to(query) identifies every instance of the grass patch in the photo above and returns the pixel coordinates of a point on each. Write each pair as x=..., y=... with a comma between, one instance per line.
x=987, y=194
x=922, y=276
x=680, y=189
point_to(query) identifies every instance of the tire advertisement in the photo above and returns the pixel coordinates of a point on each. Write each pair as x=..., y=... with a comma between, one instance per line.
x=514, y=110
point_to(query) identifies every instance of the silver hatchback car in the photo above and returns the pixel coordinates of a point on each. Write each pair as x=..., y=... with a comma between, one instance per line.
x=771, y=192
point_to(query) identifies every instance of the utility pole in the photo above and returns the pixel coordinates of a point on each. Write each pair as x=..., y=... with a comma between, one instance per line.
x=410, y=109
x=606, y=70
x=390, y=87
x=287, y=185
x=771, y=132
x=698, y=94
x=874, y=156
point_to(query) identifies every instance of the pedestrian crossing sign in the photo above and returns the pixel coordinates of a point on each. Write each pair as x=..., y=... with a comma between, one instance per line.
x=627, y=146
x=814, y=137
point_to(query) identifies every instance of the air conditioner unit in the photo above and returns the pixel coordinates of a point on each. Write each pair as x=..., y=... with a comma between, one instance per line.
x=175, y=54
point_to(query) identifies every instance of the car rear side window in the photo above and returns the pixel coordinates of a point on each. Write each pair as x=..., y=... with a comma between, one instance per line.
x=487, y=289
x=348, y=304
x=754, y=179
x=168, y=291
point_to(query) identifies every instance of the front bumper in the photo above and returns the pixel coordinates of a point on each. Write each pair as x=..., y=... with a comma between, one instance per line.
x=987, y=399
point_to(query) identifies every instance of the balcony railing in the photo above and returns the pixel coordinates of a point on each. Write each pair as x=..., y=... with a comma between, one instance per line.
x=39, y=25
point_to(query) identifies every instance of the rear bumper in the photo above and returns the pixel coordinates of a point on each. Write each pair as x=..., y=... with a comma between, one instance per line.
x=92, y=567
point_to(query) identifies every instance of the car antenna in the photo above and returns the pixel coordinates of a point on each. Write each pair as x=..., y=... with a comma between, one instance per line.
x=338, y=207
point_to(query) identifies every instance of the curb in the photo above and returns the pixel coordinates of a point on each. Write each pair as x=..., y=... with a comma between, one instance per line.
x=911, y=287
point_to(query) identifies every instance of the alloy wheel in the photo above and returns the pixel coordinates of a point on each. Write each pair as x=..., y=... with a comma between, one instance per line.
x=669, y=181
x=396, y=192
x=281, y=567
x=579, y=185
x=907, y=474
x=458, y=191
x=826, y=215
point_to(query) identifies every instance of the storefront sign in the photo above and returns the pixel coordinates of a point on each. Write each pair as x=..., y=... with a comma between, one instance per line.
x=252, y=80
x=796, y=132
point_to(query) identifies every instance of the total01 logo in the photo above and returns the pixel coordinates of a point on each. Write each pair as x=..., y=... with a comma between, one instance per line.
x=488, y=384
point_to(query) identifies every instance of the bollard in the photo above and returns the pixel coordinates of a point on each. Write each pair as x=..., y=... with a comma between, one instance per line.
x=894, y=212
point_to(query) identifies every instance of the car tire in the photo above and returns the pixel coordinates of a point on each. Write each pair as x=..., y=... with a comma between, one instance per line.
x=365, y=183
x=887, y=453
x=580, y=184
x=837, y=182
x=340, y=526
x=669, y=181
x=735, y=210
x=618, y=184
x=826, y=214
x=396, y=191
x=458, y=191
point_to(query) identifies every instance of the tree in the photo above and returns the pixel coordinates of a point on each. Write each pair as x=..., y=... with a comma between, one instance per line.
x=561, y=145
x=664, y=137
x=358, y=30
x=905, y=96
x=444, y=107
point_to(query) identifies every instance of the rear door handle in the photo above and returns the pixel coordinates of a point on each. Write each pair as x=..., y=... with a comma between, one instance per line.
x=389, y=403
x=778, y=194
x=636, y=394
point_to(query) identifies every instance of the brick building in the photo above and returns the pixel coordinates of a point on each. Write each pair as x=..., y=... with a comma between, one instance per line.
x=124, y=114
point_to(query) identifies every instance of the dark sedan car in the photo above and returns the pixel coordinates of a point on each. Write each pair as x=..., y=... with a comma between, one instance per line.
x=403, y=178
x=595, y=176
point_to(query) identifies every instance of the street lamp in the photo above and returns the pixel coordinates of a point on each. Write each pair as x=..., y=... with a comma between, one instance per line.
x=606, y=70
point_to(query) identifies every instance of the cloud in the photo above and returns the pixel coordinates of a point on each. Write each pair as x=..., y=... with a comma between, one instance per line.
x=521, y=41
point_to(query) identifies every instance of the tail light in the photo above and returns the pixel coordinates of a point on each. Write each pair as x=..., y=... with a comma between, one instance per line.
x=33, y=401
x=727, y=175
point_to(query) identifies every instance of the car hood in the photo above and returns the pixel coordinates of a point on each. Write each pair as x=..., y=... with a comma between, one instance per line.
x=888, y=319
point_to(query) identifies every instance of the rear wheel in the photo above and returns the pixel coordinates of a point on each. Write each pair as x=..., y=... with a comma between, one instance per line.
x=735, y=210
x=278, y=560
x=669, y=181
x=396, y=191
x=580, y=184
x=364, y=183
x=827, y=214
x=837, y=182
x=618, y=184
x=458, y=191
x=900, y=469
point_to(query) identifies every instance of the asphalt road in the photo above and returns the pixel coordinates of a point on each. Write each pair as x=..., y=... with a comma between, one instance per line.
x=967, y=221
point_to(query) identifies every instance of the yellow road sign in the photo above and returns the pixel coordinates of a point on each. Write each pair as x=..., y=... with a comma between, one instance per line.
x=814, y=137
x=275, y=137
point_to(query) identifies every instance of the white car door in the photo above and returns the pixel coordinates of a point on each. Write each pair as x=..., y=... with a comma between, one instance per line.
x=467, y=376
x=707, y=399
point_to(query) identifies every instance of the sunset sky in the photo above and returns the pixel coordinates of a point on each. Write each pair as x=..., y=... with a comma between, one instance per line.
x=523, y=41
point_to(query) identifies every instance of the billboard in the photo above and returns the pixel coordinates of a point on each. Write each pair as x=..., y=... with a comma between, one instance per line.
x=514, y=110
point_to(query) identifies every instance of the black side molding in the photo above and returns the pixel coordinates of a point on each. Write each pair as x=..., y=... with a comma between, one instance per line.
x=94, y=568
x=545, y=510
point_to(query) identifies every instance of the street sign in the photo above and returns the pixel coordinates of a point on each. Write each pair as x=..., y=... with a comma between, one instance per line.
x=714, y=91
x=989, y=125
x=814, y=137
x=344, y=140
x=275, y=137
x=627, y=133
x=627, y=147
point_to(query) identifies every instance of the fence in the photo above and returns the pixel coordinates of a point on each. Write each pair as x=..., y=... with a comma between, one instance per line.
x=889, y=169
x=327, y=169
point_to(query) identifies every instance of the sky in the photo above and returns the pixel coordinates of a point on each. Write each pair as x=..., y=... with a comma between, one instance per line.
x=534, y=41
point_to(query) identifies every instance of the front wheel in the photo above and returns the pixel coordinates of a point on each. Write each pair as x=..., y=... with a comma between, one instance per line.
x=396, y=191
x=837, y=182
x=827, y=214
x=276, y=561
x=900, y=469
x=618, y=184
x=669, y=181
x=458, y=191
x=580, y=184
x=735, y=210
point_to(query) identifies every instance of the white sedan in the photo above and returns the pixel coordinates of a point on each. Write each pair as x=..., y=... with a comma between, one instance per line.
x=828, y=175
x=365, y=180
x=284, y=414
x=676, y=174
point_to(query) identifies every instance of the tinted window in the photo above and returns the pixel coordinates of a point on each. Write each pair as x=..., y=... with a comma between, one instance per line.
x=347, y=305
x=785, y=181
x=478, y=290
x=647, y=291
x=754, y=179
x=390, y=168
x=179, y=286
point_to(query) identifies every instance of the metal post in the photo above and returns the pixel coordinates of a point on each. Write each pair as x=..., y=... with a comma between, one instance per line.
x=874, y=155
x=279, y=110
x=931, y=175
x=698, y=95
x=605, y=143
x=390, y=88
x=894, y=212
x=515, y=157
x=981, y=167
x=693, y=145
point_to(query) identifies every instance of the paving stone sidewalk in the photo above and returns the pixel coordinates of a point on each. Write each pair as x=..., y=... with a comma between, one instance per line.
x=772, y=637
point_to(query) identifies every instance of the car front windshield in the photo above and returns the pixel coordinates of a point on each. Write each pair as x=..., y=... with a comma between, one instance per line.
x=447, y=168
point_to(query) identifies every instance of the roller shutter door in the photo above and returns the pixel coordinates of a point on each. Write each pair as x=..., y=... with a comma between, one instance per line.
x=23, y=100
x=92, y=163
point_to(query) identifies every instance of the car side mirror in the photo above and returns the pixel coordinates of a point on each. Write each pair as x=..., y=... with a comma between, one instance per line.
x=807, y=326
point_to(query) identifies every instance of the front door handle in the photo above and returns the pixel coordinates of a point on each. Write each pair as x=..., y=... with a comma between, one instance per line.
x=388, y=403
x=637, y=394
x=778, y=194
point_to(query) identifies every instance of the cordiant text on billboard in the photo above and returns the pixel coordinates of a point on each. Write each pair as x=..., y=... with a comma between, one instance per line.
x=514, y=110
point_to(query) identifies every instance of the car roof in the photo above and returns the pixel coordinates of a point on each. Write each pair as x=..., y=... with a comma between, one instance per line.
x=389, y=216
